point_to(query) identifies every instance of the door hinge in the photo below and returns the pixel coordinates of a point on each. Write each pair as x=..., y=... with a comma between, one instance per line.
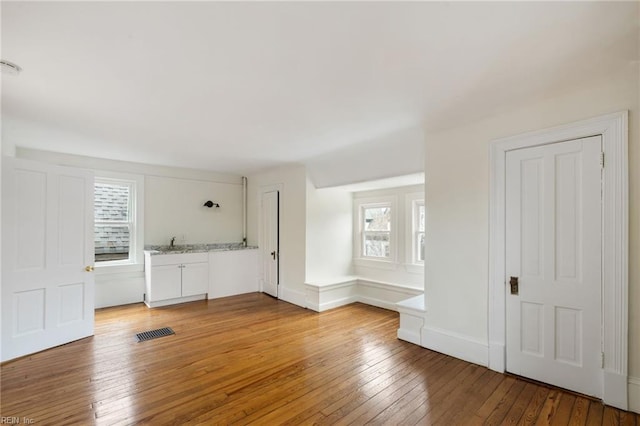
x=602, y=159
x=602, y=357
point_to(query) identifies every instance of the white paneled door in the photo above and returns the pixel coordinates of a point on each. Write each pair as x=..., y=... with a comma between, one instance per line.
x=47, y=256
x=270, y=251
x=553, y=260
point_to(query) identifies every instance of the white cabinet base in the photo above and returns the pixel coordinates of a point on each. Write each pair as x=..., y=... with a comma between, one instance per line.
x=175, y=278
x=233, y=272
x=167, y=302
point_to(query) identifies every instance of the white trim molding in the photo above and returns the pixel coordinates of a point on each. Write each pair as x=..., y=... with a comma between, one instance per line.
x=615, y=210
x=634, y=394
x=328, y=295
x=294, y=297
x=412, y=314
x=457, y=345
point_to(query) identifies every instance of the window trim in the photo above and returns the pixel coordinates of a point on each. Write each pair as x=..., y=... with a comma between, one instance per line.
x=413, y=201
x=376, y=262
x=136, y=236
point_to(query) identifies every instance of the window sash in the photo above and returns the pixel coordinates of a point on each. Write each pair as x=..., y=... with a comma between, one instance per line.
x=385, y=246
x=418, y=248
x=129, y=222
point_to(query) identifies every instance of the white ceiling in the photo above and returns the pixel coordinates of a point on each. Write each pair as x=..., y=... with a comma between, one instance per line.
x=239, y=87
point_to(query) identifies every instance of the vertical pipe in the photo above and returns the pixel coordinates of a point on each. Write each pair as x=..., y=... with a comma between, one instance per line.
x=244, y=211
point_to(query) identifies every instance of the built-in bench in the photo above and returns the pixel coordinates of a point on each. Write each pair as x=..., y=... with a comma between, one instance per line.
x=408, y=301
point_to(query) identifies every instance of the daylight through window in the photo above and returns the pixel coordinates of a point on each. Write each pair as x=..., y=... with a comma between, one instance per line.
x=418, y=233
x=376, y=231
x=114, y=220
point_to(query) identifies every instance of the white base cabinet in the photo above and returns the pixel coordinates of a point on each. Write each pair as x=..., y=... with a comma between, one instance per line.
x=175, y=278
x=233, y=272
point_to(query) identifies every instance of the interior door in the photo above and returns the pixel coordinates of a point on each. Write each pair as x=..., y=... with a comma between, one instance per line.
x=47, y=256
x=553, y=229
x=270, y=249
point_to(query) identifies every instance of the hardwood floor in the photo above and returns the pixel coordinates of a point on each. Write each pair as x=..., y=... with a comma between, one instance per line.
x=253, y=359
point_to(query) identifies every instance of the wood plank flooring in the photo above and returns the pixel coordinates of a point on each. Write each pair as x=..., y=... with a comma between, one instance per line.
x=253, y=359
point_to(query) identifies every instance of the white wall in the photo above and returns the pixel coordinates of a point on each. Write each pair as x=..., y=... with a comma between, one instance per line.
x=174, y=207
x=402, y=273
x=292, y=225
x=457, y=201
x=329, y=231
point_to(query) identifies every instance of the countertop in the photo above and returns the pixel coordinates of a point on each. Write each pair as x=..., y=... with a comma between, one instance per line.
x=195, y=248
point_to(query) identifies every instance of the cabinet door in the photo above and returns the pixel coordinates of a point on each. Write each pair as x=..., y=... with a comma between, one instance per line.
x=165, y=282
x=195, y=278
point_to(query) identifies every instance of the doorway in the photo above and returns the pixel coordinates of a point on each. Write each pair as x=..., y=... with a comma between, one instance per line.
x=270, y=241
x=613, y=130
x=553, y=261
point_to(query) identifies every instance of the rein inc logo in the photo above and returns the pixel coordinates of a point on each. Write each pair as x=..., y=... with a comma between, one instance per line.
x=16, y=420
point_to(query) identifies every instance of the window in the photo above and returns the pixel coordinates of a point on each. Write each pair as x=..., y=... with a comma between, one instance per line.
x=118, y=222
x=114, y=219
x=418, y=231
x=376, y=231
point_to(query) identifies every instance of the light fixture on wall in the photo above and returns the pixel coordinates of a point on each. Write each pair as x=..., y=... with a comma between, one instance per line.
x=211, y=204
x=7, y=67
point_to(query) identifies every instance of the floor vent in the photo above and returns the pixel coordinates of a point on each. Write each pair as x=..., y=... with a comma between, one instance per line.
x=154, y=334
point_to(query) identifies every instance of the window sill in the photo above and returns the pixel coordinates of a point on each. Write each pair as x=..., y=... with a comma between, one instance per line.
x=374, y=263
x=414, y=268
x=118, y=268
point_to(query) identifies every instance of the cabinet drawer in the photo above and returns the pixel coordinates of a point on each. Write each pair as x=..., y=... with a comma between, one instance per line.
x=178, y=258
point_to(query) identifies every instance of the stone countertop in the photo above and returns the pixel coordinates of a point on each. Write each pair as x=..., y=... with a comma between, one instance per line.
x=154, y=250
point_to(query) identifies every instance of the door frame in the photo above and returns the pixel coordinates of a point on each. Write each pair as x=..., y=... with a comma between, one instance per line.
x=263, y=190
x=613, y=128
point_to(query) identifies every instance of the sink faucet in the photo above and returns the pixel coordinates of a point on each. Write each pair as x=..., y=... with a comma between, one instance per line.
x=173, y=241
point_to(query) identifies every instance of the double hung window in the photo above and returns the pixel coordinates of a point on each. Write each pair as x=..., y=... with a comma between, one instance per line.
x=376, y=231
x=114, y=221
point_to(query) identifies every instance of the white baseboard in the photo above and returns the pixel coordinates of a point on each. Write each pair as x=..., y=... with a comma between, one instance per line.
x=456, y=345
x=412, y=314
x=294, y=297
x=391, y=306
x=384, y=295
x=497, y=357
x=409, y=336
x=616, y=387
x=337, y=303
x=323, y=296
x=634, y=394
x=179, y=300
x=320, y=297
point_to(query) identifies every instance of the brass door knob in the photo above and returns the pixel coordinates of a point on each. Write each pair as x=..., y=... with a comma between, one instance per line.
x=89, y=268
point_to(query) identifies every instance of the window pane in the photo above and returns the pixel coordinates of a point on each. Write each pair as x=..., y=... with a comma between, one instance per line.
x=111, y=242
x=111, y=202
x=377, y=245
x=377, y=219
x=421, y=218
x=420, y=247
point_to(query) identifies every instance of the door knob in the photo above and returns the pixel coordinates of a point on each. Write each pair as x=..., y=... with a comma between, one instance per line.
x=273, y=254
x=513, y=282
x=89, y=268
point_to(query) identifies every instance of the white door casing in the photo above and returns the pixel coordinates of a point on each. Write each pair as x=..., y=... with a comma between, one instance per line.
x=48, y=256
x=269, y=244
x=553, y=248
x=613, y=129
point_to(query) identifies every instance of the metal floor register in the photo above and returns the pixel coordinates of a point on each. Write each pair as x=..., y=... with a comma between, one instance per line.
x=154, y=334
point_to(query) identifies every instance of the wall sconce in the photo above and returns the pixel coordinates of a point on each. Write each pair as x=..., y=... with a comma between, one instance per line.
x=211, y=204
